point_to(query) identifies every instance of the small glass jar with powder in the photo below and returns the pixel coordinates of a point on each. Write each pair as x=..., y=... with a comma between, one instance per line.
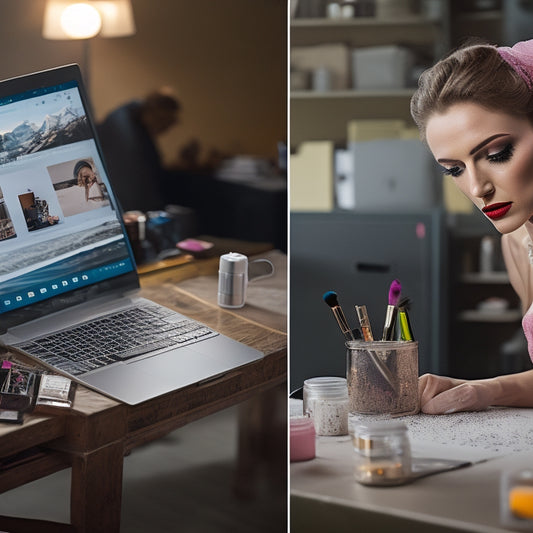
x=382, y=453
x=325, y=401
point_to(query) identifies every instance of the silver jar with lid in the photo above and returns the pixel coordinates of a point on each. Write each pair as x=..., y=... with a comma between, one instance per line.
x=325, y=401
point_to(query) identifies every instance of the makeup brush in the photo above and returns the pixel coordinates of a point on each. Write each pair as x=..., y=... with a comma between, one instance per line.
x=406, y=331
x=330, y=297
x=392, y=310
x=364, y=321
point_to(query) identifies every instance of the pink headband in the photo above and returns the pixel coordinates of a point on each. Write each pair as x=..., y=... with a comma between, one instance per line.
x=520, y=58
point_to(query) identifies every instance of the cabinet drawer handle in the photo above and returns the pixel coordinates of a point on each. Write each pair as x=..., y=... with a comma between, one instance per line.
x=372, y=267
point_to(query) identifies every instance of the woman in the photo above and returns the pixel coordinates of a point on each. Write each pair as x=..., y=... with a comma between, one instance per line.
x=84, y=173
x=475, y=111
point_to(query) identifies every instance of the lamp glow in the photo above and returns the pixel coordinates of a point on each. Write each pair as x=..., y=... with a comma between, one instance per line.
x=68, y=19
x=80, y=21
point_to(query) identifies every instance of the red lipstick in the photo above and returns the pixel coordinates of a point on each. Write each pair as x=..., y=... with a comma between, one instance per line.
x=498, y=210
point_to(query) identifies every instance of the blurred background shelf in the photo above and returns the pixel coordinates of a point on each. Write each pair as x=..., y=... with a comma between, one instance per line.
x=473, y=315
x=485, y=278
x=352, y=93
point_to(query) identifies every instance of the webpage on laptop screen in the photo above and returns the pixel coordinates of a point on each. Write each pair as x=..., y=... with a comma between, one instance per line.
x=56, y=214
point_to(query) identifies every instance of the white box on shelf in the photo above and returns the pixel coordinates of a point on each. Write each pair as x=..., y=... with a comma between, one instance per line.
x=396, y=175
x=381, y=67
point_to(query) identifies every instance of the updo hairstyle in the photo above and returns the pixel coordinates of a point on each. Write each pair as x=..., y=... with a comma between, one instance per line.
x=475, y=73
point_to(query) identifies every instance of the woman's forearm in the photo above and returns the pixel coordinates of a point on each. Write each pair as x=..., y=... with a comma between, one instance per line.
x=512, y=390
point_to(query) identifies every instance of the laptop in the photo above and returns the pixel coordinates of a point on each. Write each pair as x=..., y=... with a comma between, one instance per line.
x=65, y=259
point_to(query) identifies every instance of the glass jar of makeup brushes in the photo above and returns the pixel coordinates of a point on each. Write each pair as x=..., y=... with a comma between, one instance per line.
x=325, y=401
x=382, y=377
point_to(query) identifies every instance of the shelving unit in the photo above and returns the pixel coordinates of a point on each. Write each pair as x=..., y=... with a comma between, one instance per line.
x=506, y=316
x=351, y=94
x=486, y=278
x=482, y=284
x=485, y=24
x=477, y=336
x=324, y=116
x=319, y=115
x=365, y=31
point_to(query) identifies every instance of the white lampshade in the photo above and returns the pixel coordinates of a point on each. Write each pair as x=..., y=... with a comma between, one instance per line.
x=115, y=19
x=80, y=21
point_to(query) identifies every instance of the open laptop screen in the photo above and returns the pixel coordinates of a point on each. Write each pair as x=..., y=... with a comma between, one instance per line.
x=61, y=233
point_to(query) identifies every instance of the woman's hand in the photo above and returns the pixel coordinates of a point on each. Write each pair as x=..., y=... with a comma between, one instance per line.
x=441, y=395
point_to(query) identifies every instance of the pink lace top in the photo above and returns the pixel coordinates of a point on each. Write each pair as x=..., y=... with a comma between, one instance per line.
x=527, y=325
x=527, y=319
x=518, y=254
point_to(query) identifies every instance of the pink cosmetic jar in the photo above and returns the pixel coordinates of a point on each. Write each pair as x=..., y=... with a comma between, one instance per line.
x=302, y=439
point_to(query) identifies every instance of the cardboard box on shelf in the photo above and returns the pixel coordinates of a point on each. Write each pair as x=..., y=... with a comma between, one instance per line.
x=335, y=58
x=311, y=171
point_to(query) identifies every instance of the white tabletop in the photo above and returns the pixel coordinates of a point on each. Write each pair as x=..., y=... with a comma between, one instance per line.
x=324, y=491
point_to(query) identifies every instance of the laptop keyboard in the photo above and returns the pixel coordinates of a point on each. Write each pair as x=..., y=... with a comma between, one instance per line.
x=118, y=336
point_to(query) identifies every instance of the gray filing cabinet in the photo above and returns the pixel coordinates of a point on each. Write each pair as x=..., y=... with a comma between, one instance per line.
x=357, y=255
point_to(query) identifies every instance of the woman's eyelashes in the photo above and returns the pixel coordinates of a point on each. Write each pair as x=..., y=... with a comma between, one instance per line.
x=502, y=156
x=453, y=171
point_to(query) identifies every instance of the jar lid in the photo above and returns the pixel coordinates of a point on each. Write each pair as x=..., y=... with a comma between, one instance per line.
x=329, y=386
x=376, y=437
x=380, y=428
x=233, y=263
x=301, y=424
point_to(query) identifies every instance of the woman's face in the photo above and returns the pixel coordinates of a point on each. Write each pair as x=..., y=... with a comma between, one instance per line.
x=490, y=157
x=86, y=174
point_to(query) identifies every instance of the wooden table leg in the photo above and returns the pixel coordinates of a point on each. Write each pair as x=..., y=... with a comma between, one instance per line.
x=96, y=489
x=262, y=440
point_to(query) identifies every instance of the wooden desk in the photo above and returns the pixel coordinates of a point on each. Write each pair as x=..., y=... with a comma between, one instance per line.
x=93, y=438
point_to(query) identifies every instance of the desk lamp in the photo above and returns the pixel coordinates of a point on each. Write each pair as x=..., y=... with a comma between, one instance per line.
x=67, y=19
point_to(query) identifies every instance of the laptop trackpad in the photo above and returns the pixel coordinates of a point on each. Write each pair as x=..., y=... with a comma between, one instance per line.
x=141, y=380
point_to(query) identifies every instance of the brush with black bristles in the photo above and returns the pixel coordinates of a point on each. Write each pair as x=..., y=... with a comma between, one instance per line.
x=392, y=310
x=406, y=331
x=331, y=299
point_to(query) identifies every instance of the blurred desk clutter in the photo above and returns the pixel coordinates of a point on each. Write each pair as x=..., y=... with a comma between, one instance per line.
x=98, y=431
x=241, y=197
x=245, y=198
x=27, y=388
